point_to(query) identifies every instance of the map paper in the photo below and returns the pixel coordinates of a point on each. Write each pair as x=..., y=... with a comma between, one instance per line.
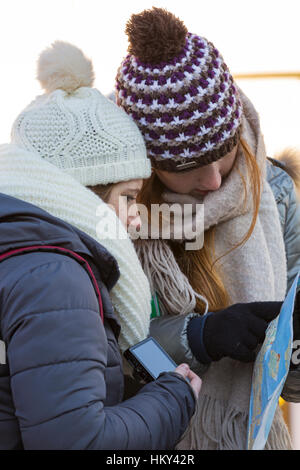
x=270, y=371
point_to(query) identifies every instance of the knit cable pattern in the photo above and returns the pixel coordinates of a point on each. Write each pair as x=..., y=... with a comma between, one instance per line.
x=84, y=134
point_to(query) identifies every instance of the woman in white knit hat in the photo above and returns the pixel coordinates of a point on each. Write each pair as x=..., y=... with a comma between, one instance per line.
x=70, y=281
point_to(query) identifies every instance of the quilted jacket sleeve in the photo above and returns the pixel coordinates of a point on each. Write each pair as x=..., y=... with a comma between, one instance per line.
x=292, y=236
x=57, y=352
x=291, y=390
x=171, y=332
x=289, y=212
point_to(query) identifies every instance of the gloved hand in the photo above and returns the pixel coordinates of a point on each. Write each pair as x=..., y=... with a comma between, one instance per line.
x=296, y=338
x=296, y=317
x=233, y=332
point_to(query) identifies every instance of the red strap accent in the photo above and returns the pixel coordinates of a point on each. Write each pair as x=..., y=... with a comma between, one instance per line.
x=65, y=251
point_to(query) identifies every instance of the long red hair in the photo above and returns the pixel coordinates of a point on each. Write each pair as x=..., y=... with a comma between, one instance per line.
x=200, y=266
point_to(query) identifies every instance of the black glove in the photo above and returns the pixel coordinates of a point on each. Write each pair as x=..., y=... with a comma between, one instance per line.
x=296, y=317
x=296, y=338
x=234, y=332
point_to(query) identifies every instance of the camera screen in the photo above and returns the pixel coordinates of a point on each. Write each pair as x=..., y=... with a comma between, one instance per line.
x=153, y=358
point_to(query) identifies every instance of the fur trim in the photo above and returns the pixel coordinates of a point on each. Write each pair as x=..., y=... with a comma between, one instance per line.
x=290, y=158
x=64, y=66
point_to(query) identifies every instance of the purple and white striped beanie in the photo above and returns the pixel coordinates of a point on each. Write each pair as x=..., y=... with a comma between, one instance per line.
x=177, y=88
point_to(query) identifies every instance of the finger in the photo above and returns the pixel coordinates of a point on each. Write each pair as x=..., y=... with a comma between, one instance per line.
x=266, y=310
x=249, y=357
x=183, y=369
x=257, y=326
x=243, y=354
x=191, y=375
x=196, y=386
x=195, y=382
x=250, y=341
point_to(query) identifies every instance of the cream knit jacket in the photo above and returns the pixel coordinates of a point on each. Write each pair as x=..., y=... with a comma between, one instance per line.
x=26, y=176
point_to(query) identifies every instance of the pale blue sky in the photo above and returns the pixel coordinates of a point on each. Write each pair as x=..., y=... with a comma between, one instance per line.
x=256, y=35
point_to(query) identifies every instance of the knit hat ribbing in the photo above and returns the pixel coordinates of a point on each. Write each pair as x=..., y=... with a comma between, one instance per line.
x=186, y=105
x=75, y=127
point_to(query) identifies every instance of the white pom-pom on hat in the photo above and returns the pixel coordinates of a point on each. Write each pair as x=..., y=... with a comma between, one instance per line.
x=64, y=67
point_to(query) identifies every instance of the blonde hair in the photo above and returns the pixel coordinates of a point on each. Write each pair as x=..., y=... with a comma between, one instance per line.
x=200, y=266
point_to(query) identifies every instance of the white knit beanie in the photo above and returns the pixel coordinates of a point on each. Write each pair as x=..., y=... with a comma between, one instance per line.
x=75, y=127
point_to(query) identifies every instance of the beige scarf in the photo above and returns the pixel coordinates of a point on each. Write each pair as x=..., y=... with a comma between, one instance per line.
x=256, y=271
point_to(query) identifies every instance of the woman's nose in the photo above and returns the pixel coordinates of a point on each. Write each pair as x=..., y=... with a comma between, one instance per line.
x=135, y=223
x=134, y=219
x=212, y=180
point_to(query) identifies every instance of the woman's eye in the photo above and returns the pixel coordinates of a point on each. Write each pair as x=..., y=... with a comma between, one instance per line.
x=129, y=198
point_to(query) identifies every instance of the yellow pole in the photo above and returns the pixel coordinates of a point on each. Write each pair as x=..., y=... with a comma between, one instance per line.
x=286, y=412
x=256, y=75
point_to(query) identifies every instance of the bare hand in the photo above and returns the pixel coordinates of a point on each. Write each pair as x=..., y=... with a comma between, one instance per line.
x=187, y=373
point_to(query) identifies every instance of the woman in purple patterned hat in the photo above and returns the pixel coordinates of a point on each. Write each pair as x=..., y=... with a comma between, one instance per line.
x=206, y=147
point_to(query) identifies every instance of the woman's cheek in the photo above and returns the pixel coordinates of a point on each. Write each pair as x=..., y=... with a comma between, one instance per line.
x=120, y=208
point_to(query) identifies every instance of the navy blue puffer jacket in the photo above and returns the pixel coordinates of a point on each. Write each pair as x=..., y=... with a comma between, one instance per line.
x=62, y=384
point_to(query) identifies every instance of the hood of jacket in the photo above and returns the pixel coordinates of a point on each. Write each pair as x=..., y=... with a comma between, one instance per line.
x=23, y=224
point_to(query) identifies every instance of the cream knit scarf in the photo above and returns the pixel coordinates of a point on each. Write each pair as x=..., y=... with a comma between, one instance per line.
x=28, y=177
x=256, y=271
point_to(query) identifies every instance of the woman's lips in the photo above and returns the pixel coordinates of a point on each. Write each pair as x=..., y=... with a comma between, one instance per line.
x=202, y=193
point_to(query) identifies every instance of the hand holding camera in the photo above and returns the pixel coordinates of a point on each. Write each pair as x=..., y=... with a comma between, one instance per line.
x=194, y=379
x=149, y=360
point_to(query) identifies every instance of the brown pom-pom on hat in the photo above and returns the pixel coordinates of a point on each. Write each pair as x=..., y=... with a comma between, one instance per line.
x=179, y=91
x=155, y=35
